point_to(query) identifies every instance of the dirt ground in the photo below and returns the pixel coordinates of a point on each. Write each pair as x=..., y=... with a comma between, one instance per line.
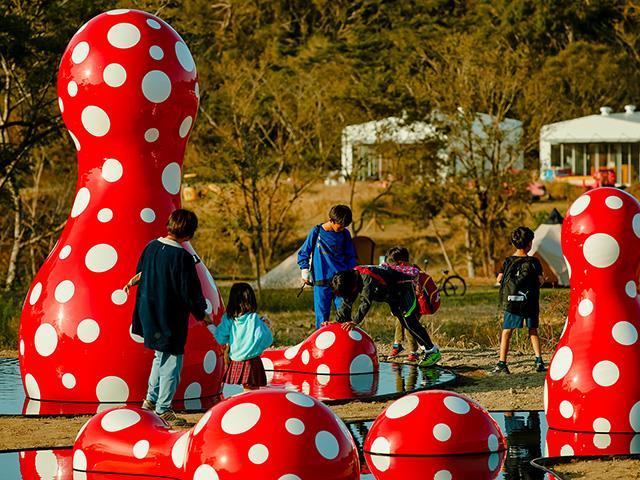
x=522, y=390
x=627, y=469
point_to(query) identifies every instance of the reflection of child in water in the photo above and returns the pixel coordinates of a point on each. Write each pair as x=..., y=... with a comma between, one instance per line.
x=522, y=430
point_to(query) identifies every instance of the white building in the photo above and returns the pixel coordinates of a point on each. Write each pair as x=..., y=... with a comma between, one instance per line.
x=580, y=147
x=359, y=141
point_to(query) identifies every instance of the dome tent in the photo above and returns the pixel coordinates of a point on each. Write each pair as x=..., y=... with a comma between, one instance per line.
x=547, y=247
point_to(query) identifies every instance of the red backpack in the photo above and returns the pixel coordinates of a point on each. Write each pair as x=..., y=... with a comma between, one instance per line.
x=427, y=294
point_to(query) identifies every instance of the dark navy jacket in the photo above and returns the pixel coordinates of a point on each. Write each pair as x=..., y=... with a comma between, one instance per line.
x=168, y=291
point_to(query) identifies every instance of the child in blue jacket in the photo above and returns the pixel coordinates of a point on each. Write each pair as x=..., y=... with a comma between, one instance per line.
x=247, y=335
x=327, y=250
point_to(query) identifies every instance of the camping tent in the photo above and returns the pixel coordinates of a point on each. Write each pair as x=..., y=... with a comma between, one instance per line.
x=548, y=249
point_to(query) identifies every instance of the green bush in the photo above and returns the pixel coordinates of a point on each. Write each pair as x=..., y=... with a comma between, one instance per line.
x=10, y=307
x=564, y=191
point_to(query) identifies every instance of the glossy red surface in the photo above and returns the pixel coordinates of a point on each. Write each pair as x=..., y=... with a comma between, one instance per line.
x=128, y=93
x=561, y=444
x=592, y=383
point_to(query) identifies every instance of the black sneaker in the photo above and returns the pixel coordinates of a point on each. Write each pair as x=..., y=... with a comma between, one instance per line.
x=499, y=369
x=540, y=365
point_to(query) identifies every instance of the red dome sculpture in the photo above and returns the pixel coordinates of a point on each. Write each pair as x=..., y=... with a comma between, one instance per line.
x=568, y=444
x=592, y=383
x=128, y=94
x=52, y=464
x=331, y=350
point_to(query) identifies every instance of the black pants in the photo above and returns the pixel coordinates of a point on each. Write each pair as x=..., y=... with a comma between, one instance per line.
x=404, y=306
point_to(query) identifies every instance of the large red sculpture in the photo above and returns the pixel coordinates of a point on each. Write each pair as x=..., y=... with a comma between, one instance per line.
x=592, y=383
x=259, y=434
x=128, y=94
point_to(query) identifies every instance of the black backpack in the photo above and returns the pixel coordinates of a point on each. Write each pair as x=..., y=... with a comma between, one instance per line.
x=515, y=290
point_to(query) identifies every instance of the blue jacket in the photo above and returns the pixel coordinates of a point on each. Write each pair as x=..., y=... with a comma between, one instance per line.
x=247, y=335
x=333, y=253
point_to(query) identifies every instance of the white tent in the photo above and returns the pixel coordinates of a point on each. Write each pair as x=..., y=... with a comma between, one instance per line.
x=285, y=275
x=547, y=247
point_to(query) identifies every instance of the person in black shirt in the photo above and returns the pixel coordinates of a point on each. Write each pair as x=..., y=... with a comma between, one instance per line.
x=520, y=278
x=168, y=291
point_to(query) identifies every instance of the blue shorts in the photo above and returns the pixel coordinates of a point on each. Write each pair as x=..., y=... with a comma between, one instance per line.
x=511, y=320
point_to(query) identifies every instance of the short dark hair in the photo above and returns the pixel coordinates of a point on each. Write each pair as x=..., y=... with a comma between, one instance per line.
x=182, y=223
x=346, y=284
x=242, y=299
x=341, y=214
x=521, y=237
x=397, y=254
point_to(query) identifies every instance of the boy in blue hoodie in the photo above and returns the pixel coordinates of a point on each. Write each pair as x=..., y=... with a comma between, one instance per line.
x=327, y=250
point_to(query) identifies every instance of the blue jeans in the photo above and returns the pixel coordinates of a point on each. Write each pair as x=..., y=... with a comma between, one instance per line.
x=164, y=380
x=322, y=298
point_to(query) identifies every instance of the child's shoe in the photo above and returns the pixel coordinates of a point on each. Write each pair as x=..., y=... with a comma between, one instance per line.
x=540, y=365
x=397, y=348
x=500, y=368
x=148, y=405
x=430, y=357
x=412, y=357
x=172, y=419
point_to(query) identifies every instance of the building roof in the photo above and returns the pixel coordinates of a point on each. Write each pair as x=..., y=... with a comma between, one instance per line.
x=607, y=127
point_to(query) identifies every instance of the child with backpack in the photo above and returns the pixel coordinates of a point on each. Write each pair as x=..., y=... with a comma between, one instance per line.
x=520, y=278
x=247, y=336
x=427, y=295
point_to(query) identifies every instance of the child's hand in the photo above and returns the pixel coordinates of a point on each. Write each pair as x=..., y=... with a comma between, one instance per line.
x=208, y=319
x=348, y=326
x=324, y=324
x=267, y=321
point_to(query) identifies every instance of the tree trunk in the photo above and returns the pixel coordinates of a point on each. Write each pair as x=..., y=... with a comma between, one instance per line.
x=17, y=236
x=444, y=250
x=471, y=267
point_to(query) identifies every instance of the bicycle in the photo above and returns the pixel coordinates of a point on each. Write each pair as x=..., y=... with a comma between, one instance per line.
x=451, y=285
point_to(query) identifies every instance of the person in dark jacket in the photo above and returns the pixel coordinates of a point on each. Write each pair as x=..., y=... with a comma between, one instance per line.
x=168, y=291
x=378, y=284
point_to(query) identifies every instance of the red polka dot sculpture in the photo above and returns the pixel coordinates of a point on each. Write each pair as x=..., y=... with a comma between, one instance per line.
x=128, y=93
x=331, y=350
x=592, y=383
x=433, y=432
x=47, y=464
x=560, y=443
x=260, y=434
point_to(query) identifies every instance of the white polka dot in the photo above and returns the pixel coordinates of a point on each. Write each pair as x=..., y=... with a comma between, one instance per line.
x=240, y=418
x=114, y=75
x=134, y=337
x=79, y=460
x=602, y=440
x=294, y=426
x=112, y=389
x=568, y=266
x=325, y=340
x=105, y=215
x=605, y=373
x=117, y=420
x=81, y=202
x=613, y=202
x=601, y=250
x=210, y=361
x=30, y=384
x=185, y=126
x=361, y=364
x=323, y=369
x=112, y=170
x=443, y=475
x=88, y=330
x=381, y=447
x=442, y=432
x=140, y=449
x=21, y=347
x=403, y=406
x=492, y=443
x=601, y=425
x=202, y=422
x=179, y=450
x=289, y=476
x=46, y=464
x=36, y=291
x=153, y=24
x=64, y=252
x=635, y=445
x=327, y=445
x=300, y=399
x=258, y=454
x=76, y=142
x=267, y=363
x=193, y=390
x=457, y=405
x=184, y=57
x=585, y=307
x=566, y=409
x=80, y=52
x=209, y=308
x=631, y=289
x=147, y=215
x=636, y=224
x=101, y=258
x=118, y=11
x=171, y=178
x=545, y=396
x=625, y=333
x=156, y=52
x=197, y=90
x=68, y=380
x=64, y=291
x=355, y=335
x=61, y=105
x=566, y=451
x=561, y=363
x=634, y=417
x=291, y=352
x=305, y=357
x=72, y=88
x=580, y=205
x=204, y=472
x=151, y=135
x=123, y=35
x=119, y=297
x=95, y=121
x=156, y=86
